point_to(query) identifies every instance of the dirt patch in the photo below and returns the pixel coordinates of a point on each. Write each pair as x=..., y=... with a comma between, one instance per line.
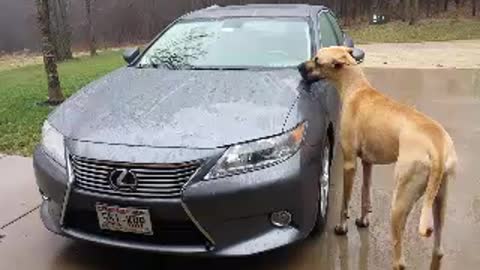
x=448, y=54
x=16, y=60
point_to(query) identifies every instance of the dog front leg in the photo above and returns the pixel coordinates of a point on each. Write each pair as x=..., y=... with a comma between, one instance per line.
x=363, y=221
x=349, y=168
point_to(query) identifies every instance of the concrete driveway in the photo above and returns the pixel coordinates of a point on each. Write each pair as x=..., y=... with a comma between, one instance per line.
x=449, y=54
x=450, y=95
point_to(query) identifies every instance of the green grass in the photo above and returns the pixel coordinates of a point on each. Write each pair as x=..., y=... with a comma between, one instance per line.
x=21, y=89
x=426, y=30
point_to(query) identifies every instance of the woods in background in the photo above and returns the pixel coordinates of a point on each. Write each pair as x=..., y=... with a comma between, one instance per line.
x=120, y=22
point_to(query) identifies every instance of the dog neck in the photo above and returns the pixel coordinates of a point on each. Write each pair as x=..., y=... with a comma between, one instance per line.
x=348, y=80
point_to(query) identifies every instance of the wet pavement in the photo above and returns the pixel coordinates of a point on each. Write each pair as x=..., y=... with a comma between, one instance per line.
x=451, y=96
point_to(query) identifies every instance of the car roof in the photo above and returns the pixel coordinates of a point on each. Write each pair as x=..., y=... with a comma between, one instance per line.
x=256, y=10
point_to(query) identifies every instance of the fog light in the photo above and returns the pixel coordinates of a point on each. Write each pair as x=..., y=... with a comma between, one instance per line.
x=44, y=197
x=281, y=218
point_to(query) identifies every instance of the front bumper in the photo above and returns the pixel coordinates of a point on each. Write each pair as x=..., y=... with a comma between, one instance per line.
x=227, y=216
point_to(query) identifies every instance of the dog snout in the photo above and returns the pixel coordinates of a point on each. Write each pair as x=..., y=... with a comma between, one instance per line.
x=302, y=68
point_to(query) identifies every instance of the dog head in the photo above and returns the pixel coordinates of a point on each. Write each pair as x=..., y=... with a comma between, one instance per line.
x=327, y=63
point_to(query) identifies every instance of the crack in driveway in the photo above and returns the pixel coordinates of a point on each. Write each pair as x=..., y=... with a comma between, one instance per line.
x=2, y=227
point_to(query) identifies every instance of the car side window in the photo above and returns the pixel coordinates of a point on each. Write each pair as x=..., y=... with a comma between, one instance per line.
x=328, y=36
x=336, y=28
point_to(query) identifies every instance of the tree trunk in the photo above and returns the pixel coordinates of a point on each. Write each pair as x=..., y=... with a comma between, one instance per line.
x=413, y=12
x=406, y=10
x=66, y=51
x=458, y=4
x=344, y=12
x=474, y=8
x=369, y=9
x=60, y=29
x=428, y=8
x=55, y=95
x=92, y=43
x=458, y=7
x=445, y=5
x=437, y=7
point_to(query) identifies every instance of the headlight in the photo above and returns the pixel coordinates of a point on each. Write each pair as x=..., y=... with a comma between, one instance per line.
x=258, y=154
x=53, y=143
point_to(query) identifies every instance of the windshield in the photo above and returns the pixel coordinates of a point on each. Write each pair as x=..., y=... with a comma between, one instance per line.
x=231, y=43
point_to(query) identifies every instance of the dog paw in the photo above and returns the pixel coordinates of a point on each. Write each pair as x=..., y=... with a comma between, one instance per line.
x=436, y=263
x=362, y=222
x=399, y=266
x=341, y=229
x=438, y=253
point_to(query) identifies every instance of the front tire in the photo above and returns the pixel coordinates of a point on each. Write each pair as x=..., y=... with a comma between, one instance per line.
x=323, y=189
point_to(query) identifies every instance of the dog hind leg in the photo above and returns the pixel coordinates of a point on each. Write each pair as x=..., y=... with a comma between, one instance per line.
x=438, y=221
x=411, y=181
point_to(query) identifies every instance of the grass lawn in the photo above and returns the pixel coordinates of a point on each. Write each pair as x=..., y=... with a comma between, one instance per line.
x=22, y=88
x=425, y=30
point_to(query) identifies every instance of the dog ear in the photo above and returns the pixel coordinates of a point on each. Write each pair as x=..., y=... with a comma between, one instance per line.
x=337, y=63
x=344, y=59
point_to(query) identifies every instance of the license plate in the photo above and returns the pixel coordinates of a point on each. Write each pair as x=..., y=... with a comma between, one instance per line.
x=124, y=219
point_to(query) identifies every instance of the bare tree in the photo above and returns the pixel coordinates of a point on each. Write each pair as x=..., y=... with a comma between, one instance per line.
x=437, y=6
x=354, y=7
x=458, y=8
x=428, y=8
x=406, y=10
x=55, y=95
x=414, y=12
x=445, y=5
x=92, y=43
x=66, y=29
x=411, y=11
x=60, y=29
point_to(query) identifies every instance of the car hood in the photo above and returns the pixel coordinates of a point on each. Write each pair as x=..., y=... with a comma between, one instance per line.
x=184, y=108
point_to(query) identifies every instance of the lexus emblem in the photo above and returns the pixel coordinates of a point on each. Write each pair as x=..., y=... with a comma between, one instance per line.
x=123, y=179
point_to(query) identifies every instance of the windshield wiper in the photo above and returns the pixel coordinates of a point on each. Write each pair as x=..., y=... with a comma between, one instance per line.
x=215, y=68
x=157, y=65
x=189, y=67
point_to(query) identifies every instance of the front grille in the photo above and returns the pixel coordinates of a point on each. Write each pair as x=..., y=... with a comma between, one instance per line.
x=154, y=180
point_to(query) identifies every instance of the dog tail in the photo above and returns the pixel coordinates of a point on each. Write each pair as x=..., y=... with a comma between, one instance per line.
x=433, y=185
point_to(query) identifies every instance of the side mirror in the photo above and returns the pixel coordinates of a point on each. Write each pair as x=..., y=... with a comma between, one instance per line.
x=358, y=54
x=130, y=54
x=348, y=41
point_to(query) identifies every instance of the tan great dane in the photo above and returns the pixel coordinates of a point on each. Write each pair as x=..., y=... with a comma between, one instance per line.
x=379, y=130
